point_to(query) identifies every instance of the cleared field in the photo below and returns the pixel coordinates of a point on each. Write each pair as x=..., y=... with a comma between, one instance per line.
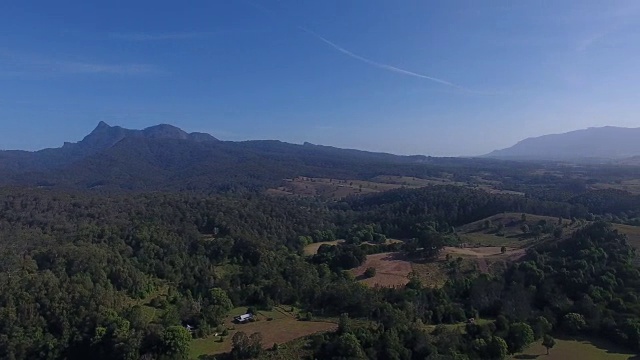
x=312, y=248
x=330, y=188
x=484, y=256
x=282, y=329
x=577, y=349
x=337, y=188
x=411, y=181
x=430, y=274
x=475, y=233
x=460, y=327
x=632, y=232
x=632, y=186
x=392, y=269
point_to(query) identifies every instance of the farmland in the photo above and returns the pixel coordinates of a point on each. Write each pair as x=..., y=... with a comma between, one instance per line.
x=340, y=188
x=277, y=326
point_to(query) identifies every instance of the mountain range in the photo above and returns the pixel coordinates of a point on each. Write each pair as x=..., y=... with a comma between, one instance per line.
x=592, y=144
x=166, y=157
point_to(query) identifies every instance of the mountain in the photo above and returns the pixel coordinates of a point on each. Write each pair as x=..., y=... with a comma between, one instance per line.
x=592, y=144
x=164, y=157
x=101, y=138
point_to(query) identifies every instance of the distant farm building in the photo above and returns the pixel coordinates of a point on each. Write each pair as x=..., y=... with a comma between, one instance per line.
x=243, y=318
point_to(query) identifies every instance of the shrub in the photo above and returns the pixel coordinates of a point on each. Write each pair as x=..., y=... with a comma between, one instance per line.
x=370, y=272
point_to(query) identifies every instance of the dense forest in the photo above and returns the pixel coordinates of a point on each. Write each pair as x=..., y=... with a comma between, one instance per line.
x=75, y=267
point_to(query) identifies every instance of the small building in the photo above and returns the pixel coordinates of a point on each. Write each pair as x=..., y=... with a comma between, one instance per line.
x=243, y=318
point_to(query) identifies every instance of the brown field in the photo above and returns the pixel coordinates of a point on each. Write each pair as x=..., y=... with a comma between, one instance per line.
x=283, y=328
x=392, y=270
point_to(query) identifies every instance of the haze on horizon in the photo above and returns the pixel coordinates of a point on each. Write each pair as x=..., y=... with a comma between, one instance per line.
x=436, y=78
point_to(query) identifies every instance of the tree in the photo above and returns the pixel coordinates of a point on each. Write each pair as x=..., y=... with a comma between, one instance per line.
x=497, y=348
x=175, y=342
x=557, y=232
x=548, y=342
x=523, y=217
x=344, y=324
x=503, y=249
x=219, y=305
x=255, y=344
x=348, y=347
x=541, y=327
x=524, y=228
x=370, y=272
x=573, y=323
x=520, y=335
x=241, y=347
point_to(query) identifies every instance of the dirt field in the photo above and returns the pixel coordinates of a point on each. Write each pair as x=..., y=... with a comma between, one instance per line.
x=391, y=270
x=283, y=328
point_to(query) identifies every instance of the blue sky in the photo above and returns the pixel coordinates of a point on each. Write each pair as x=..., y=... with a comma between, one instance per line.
x=407, y=77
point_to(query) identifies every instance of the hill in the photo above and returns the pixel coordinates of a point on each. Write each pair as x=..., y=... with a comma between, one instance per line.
x=592, y=144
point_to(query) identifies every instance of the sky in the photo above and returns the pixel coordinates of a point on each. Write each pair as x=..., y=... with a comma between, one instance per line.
x=440, y=78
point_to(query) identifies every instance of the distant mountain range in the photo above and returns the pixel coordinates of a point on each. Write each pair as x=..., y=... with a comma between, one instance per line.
x=166, y=157
x=592, y=144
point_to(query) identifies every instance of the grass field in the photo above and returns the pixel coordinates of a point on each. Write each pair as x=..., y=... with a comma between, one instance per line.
x=632, y=186
x=632, y=232
x=474, y=234
x=431, y=274
x=392, y=270
x=577, y=349
x=283, y=328
x=337, y=188
x=312, y=248
x=460, y=327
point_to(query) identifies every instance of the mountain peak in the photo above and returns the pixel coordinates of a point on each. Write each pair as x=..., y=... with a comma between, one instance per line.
x=102, y=126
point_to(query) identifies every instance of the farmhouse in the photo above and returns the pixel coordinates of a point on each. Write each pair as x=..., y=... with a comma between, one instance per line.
x=243, y=318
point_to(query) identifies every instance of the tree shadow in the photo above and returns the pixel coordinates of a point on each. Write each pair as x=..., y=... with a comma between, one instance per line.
x=525, y=356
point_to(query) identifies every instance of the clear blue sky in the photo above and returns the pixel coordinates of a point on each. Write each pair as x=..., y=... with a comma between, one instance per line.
x=427, y=77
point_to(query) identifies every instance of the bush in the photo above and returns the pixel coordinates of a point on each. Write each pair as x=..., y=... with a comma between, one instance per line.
x=370, y=272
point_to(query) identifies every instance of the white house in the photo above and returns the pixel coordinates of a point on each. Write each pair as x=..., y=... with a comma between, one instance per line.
x=243, y=318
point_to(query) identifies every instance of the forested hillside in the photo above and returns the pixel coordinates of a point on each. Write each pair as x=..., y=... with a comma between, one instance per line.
x=120, y=276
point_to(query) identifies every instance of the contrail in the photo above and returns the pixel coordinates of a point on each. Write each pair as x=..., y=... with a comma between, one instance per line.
x=375, y=63
x=361, y=58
